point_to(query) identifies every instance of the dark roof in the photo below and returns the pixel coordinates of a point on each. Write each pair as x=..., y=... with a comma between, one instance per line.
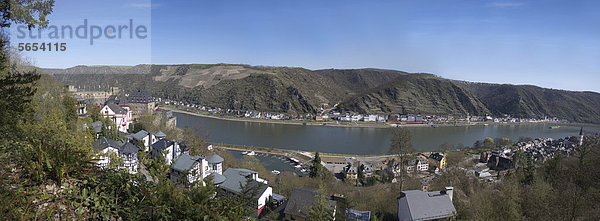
x=185, y=162
x=112, y=99
x=115, y=108
x=162, y=144
x=128, y=148
x=139, y=97
x=97, y=126
x=104, y=143
x=300, y=201
x=436, y=156
x=427, y=205
x=215, y=159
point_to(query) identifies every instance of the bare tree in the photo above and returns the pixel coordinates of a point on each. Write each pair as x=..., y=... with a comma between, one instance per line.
x=402, y=146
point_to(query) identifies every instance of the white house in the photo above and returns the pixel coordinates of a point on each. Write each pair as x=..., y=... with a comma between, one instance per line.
x=105, y=147
x=168, y=149
x=147, y=139
x=418, y=164
x=196, y=167
x=236, y=181
x=121, y=116
x=193, y=166
x=126, y=151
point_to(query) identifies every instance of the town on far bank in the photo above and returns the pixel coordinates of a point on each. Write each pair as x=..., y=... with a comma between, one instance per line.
x=327, y=114
x=135, y=150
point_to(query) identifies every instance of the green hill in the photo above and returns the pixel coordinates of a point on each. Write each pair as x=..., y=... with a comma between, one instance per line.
x=299, y=90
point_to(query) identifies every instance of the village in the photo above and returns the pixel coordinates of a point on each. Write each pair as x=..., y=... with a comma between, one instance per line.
x=185, y=169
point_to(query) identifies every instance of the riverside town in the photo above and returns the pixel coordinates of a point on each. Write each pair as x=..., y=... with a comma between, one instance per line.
x=392, y=110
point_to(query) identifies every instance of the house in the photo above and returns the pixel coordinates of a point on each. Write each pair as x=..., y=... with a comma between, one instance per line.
x=419, y=205
x=356, y=215
x=195, y=167
x=121, y=116
x=97, y=128
x=440, y=160
x=418, y=165
x=350, y=172
x=499, y=162
x=140, y=102
x=237, y=181
x=299, y=203
x=126, y=151
x=145, y=138
x=81, y=105
x=215, y=163
x=105, y=147
x=168, y=149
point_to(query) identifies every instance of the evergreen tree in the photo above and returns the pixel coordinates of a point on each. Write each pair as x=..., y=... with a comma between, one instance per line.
x=316, y=168
x=320, y=208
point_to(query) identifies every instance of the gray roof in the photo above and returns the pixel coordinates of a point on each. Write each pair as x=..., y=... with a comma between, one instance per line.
x=128, y=148
x=97, y=126
x=139, y=97
x=104, y=143
x=235, y=179
x=300, y=201
x=217, y=178
x=428, y=205
x=115, y=108
x=140, y=135
x=162, y=144
x=185, y=162
x=160, y=134
x=215, y=159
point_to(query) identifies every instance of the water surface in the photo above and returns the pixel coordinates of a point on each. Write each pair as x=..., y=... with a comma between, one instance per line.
x=357, y=140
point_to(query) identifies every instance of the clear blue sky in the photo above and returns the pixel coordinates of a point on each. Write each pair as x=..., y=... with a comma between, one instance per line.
x=549, y=43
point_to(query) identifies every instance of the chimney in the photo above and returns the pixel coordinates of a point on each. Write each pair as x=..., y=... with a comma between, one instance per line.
x=449, y=191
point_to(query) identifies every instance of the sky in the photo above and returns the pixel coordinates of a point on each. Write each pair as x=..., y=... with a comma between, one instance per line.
x=553, y=44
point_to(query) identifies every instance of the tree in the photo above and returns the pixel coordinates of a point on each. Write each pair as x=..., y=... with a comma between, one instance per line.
x=316, y=168
x=320, y=209
x=488, y=143
x=401, y=146
x=502, y=142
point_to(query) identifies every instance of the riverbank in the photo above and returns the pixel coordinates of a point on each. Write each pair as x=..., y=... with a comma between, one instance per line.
x=357, y=125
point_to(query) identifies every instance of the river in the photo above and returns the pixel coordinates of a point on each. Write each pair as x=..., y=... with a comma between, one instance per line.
x=358, y=140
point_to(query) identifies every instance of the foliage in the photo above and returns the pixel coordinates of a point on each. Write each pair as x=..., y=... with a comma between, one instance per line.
x=320, y=209
x=316, y=169
x=488, y=143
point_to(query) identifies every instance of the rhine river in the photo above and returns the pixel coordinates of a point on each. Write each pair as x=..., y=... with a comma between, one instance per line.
x=358, y=140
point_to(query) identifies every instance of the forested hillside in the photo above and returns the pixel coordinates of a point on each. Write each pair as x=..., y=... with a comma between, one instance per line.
x=298, y=90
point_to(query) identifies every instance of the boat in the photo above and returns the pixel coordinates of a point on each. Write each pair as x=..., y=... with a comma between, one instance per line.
x=554, y=127
x=251, y=153
x=276, y=172
x=245, y=153
x=303, y=170
x=298, y=166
